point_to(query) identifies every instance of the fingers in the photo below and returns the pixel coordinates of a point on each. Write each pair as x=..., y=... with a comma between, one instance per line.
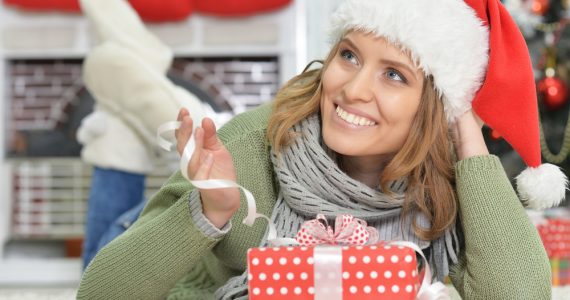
x=197, y=156
x=211, y=140
x=205, y=167
x=184, y=133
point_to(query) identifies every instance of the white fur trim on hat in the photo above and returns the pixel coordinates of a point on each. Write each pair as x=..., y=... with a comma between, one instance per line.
x=542, y=187
x=446, y=40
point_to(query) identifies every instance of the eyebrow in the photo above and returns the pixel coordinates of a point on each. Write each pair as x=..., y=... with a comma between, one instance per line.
x=385, y=61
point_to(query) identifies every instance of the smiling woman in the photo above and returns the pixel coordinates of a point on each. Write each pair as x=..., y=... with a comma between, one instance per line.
x=368, y=101
x=383, y=131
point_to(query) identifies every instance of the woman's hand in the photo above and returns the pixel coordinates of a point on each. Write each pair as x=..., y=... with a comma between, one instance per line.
x=467, y=136
x=210, y=160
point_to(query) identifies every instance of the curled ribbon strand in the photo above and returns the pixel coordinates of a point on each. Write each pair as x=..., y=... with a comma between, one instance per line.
x=345, y=225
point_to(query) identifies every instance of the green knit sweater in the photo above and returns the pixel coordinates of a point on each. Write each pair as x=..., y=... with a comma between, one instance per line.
x=167, y=254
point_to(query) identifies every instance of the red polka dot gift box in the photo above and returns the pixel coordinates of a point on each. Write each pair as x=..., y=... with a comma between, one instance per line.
x=379, y=271
x=555, y=235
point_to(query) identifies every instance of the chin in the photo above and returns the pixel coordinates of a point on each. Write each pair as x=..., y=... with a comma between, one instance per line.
x=342, y=146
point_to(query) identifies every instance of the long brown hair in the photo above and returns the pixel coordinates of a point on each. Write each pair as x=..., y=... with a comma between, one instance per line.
x=426, y=158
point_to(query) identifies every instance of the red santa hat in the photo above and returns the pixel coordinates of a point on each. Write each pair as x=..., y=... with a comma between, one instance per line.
x=478, y=59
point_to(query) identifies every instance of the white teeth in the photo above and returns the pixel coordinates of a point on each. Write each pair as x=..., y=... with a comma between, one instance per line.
x=353, y=119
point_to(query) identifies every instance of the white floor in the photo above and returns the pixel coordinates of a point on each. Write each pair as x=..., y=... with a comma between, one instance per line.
x=38, y=294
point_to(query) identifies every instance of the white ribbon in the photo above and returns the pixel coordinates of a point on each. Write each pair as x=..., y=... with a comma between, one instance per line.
x=428, y=290
x=327, y=267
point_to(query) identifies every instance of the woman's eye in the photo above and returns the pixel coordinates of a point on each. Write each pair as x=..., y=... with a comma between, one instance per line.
x=395, y=75
x=349, y=56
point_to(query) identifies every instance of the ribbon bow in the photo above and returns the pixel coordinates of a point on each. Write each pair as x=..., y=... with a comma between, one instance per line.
x=348, y=230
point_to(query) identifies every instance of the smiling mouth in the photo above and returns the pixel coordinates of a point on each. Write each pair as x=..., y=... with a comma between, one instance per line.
x=353, y=119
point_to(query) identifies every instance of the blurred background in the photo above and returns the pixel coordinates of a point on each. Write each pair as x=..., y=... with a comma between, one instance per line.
x=234, y=58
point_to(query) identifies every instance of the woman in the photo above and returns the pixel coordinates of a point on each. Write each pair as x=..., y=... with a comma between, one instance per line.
x=368, y=135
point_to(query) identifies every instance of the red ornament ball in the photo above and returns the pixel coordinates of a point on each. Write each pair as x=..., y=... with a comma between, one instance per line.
x=554, y=92
x=495, y=135
x=539, y=7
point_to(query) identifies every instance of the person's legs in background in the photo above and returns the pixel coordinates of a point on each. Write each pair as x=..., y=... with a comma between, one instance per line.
x=112, y=194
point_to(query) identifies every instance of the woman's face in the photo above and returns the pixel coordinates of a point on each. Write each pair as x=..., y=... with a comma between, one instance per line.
x=371, y=92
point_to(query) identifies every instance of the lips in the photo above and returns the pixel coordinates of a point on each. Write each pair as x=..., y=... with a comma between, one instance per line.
x=353, y=118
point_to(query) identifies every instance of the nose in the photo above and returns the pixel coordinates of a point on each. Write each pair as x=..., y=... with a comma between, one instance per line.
x=360, y=86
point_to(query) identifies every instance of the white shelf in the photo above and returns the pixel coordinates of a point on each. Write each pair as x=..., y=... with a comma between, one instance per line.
x=40, y=272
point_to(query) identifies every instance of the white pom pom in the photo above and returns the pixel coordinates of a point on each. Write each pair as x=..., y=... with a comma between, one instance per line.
x=542, y=187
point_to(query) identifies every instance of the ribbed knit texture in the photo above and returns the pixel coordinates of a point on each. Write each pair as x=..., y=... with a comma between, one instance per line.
x=503, y=257
x=201, y=221
x=165, y=254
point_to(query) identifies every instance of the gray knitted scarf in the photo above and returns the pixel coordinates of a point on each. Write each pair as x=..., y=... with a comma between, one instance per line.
x=312, y=183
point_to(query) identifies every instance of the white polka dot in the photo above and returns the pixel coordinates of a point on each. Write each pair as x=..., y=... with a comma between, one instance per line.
x=304, y=248
x=366, y=259
x=414, y=273
x=345, y=248
x=373, y=274
x=262, y=276
x=353, y=289
x=311, y=290
x=387, y=247
x=275, y=248
x=409, y=288
x=255, y=261
x=256, y=291
x=359, y=247
x=290, y=276
x=310, y=260
x=367, y=289
x=297, y=291
x=401, y=247
x=345, y=275
x=262, y=249
x=249, y=276
x=380, y=259
x=394, y=258
x=395, y=289
x=269, y=291
x=276, y=276
x=373, y=247
x=402, y=274
x=359, y=275
x=283, y=261
x=381, y=289
x=296, y=260
x=269, y=261
x=304, y=276
x=408, y=258
x=387, y=274
x=289, y=248
x=284, y=291
x=352, y=260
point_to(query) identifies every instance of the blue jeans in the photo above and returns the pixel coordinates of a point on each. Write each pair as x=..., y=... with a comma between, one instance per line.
x=115, y=201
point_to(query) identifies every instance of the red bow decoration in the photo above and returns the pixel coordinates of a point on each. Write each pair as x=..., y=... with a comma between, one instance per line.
x=348, y=230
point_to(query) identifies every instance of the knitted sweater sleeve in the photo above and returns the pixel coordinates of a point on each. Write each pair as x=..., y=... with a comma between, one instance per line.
x=148, y=259
x=503, y=257
x=171, y=236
